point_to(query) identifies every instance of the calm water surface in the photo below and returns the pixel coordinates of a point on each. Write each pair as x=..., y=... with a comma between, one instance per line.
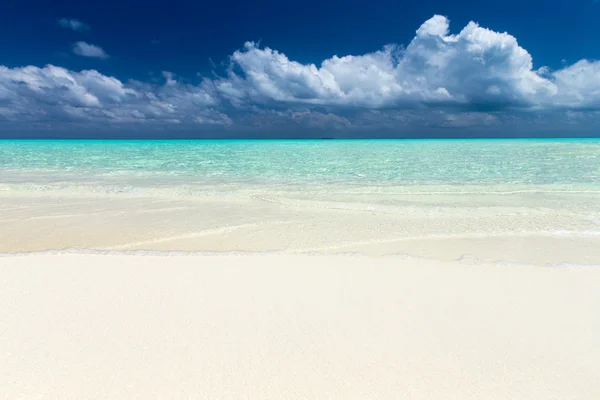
x=565, y=164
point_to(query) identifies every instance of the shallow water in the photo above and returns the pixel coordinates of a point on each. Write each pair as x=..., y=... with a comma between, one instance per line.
x=371, y=165
x=530, y=201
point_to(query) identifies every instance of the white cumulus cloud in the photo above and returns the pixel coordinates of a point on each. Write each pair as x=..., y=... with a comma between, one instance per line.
x=76, y=25
x=475, y=77
x=89, y=50
x=578, y=85
x=475, y=68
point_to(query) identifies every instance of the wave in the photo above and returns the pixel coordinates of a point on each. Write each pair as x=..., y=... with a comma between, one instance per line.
x=270, y=192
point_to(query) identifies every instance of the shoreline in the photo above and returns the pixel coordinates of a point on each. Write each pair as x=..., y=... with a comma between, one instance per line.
x=463, y=260
x=517, y=230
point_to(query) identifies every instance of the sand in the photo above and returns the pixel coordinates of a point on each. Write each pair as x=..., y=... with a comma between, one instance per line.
x=274, y=296
x=89, y=326
x=532, y=229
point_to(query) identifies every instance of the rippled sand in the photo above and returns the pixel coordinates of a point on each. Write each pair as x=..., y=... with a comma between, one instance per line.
x=533, y=228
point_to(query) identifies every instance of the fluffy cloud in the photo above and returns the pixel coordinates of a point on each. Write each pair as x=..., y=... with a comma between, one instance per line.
x=89, y=50
x=73, y=24
x=475, y=68
x=439, y=79
x=578, y=85
x=53, y=93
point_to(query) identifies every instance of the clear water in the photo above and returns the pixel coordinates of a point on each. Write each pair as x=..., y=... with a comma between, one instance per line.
x=570, y=164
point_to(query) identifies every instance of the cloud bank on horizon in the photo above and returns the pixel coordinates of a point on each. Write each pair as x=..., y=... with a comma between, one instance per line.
x=475, y=77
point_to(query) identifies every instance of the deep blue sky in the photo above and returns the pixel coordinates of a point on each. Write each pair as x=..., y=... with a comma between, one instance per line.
x=185, y=37
x=191, y=32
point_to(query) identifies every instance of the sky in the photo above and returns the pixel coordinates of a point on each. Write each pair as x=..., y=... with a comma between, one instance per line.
x=183, y=69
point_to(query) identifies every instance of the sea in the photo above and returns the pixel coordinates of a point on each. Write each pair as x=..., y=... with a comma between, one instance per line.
x=510, y=201
x=197, y=167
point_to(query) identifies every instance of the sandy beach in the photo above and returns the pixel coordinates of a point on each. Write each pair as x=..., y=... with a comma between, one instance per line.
x=132, y=297
x=313, y=327
x=537, y=229
x=293, y=271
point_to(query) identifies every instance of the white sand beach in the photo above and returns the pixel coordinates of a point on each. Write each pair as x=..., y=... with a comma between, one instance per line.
x=531, y=228
x=295, y=327
x=282, y=291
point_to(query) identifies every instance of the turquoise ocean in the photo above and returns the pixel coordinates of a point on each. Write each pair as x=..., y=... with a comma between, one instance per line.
x=192, y=167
